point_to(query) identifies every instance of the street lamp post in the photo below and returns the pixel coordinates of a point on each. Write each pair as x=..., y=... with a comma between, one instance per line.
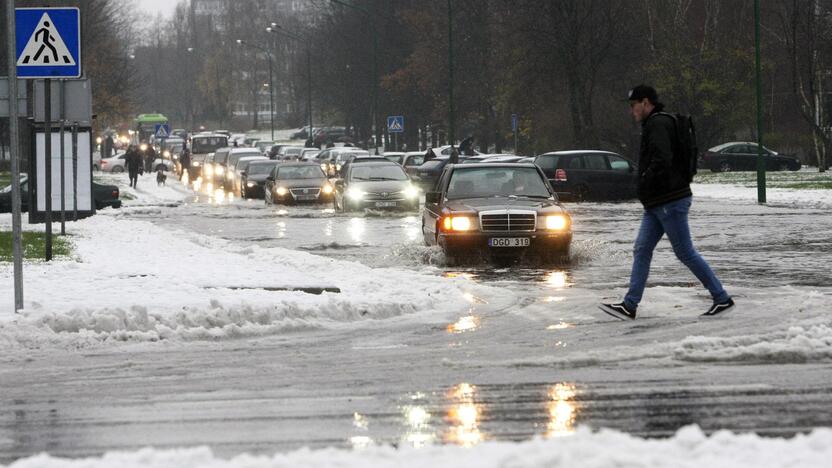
x=375, y=66
x=271, y=82
x=451, y=116
x=277, y=29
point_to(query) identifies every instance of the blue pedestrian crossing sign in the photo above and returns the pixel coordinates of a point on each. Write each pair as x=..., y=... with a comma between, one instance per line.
x=395, y=123
x=48, y=42
x=162, y=131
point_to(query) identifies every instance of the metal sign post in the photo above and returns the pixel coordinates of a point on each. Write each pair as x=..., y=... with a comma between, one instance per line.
x=75, y=171
x=14, y=154
x=62, y=93
x=47, y=144
x=514, y=130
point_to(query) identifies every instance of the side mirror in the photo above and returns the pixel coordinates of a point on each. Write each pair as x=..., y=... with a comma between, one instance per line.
x=433, y=197
x=270, y=178
x=243, y=173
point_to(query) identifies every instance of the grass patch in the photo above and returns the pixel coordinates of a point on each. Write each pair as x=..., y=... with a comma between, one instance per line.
x=798, y=180
x=34, y=244
x=5, y=178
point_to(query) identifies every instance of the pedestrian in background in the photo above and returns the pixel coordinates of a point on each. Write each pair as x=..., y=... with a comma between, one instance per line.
x=184, y=161
x=664, y=191
x=133, y=161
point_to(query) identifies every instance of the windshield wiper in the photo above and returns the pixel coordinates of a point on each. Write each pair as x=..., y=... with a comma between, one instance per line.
x=360, y=178
x=382, y=178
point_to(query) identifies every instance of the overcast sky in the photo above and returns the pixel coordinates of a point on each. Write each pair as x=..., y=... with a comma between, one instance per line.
x=165, y=7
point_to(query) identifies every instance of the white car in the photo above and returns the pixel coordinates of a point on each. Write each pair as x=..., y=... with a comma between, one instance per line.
x=115, y=164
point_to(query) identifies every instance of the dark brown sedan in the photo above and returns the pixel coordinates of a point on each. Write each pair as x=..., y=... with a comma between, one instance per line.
x=502, y=210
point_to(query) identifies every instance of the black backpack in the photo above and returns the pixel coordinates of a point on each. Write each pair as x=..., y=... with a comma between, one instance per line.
x=685, y=150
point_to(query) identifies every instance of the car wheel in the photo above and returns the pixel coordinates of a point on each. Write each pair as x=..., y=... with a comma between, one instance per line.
x=118, y=169
x=725, y=166
x=783, y=167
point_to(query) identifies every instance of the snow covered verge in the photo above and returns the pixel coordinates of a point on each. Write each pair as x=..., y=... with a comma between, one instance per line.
x=131, y=280
x=812, y=198
x=689, y=447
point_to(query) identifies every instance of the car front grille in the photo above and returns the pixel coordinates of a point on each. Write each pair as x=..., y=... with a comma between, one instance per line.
x=305, y=192
x=383, y=195
x=508, y=221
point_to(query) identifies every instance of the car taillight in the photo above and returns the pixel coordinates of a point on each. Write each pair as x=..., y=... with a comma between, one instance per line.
x=560, y=175
x=104, y=163
x=115, y=193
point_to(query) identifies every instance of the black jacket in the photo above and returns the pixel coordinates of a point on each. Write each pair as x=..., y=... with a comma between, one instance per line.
x=659, y=182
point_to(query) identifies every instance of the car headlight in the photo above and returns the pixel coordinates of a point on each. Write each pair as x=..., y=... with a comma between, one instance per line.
x=250, y=184
x=219, y=170
x=327, y=189
x=556, y=222
x=323, y=166
x=411, y=192
x=457, y=223
x=337, y=167
x=143, y=147
x=281, y=191
x=208, y=170
x=166, y=154
x=195, y=164
x=355, y=194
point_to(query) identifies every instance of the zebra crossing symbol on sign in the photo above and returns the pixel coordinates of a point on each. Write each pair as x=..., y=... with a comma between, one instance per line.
x=395, y=123
x=48, y=42
x=46, y=47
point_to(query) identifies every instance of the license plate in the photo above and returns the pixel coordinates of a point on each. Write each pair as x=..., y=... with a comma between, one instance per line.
x=509, y=242
x=306, y=197
x=385, y=204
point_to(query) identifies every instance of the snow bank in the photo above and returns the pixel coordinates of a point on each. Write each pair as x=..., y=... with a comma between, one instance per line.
x=689, y=447
x=132, y=280
x=794, y=345
x=774, y=196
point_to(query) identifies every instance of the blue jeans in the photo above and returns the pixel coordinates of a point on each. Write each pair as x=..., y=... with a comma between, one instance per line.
x=671, y=219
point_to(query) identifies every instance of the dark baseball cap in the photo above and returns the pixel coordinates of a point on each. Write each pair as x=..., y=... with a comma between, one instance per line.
x=641, y=92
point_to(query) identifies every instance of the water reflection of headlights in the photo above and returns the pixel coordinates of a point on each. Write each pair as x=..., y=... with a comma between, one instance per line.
x=557, y=279
x=464, y=415
x=561, y=410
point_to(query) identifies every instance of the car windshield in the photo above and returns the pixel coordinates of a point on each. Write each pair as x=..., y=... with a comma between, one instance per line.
x=377, y=172
x=292, y=151
x=484, y=182
x=208, y=144
x=300, y=172
x=260, y=168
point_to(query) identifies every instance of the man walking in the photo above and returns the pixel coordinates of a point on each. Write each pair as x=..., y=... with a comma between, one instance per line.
x=134, y=162
x=664, y=190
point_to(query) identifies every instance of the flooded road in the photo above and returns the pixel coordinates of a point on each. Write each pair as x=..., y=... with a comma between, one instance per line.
x=537, y=359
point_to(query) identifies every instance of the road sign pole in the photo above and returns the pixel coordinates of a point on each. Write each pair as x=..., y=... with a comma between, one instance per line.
x=14, y=154
x=75, y=171
x=761, y=165
x=47, y=157
x=62, y=93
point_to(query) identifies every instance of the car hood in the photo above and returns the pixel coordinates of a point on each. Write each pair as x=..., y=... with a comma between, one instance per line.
x=503, y=203
x=381, y=186
x=290, y=183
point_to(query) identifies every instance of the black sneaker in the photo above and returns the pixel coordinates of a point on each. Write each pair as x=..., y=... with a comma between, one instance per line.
x=619, y=311
x=719, y=308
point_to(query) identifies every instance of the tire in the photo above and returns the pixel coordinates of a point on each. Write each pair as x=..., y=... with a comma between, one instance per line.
x=725, y=166
x=117, y=170
x=783, y=167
